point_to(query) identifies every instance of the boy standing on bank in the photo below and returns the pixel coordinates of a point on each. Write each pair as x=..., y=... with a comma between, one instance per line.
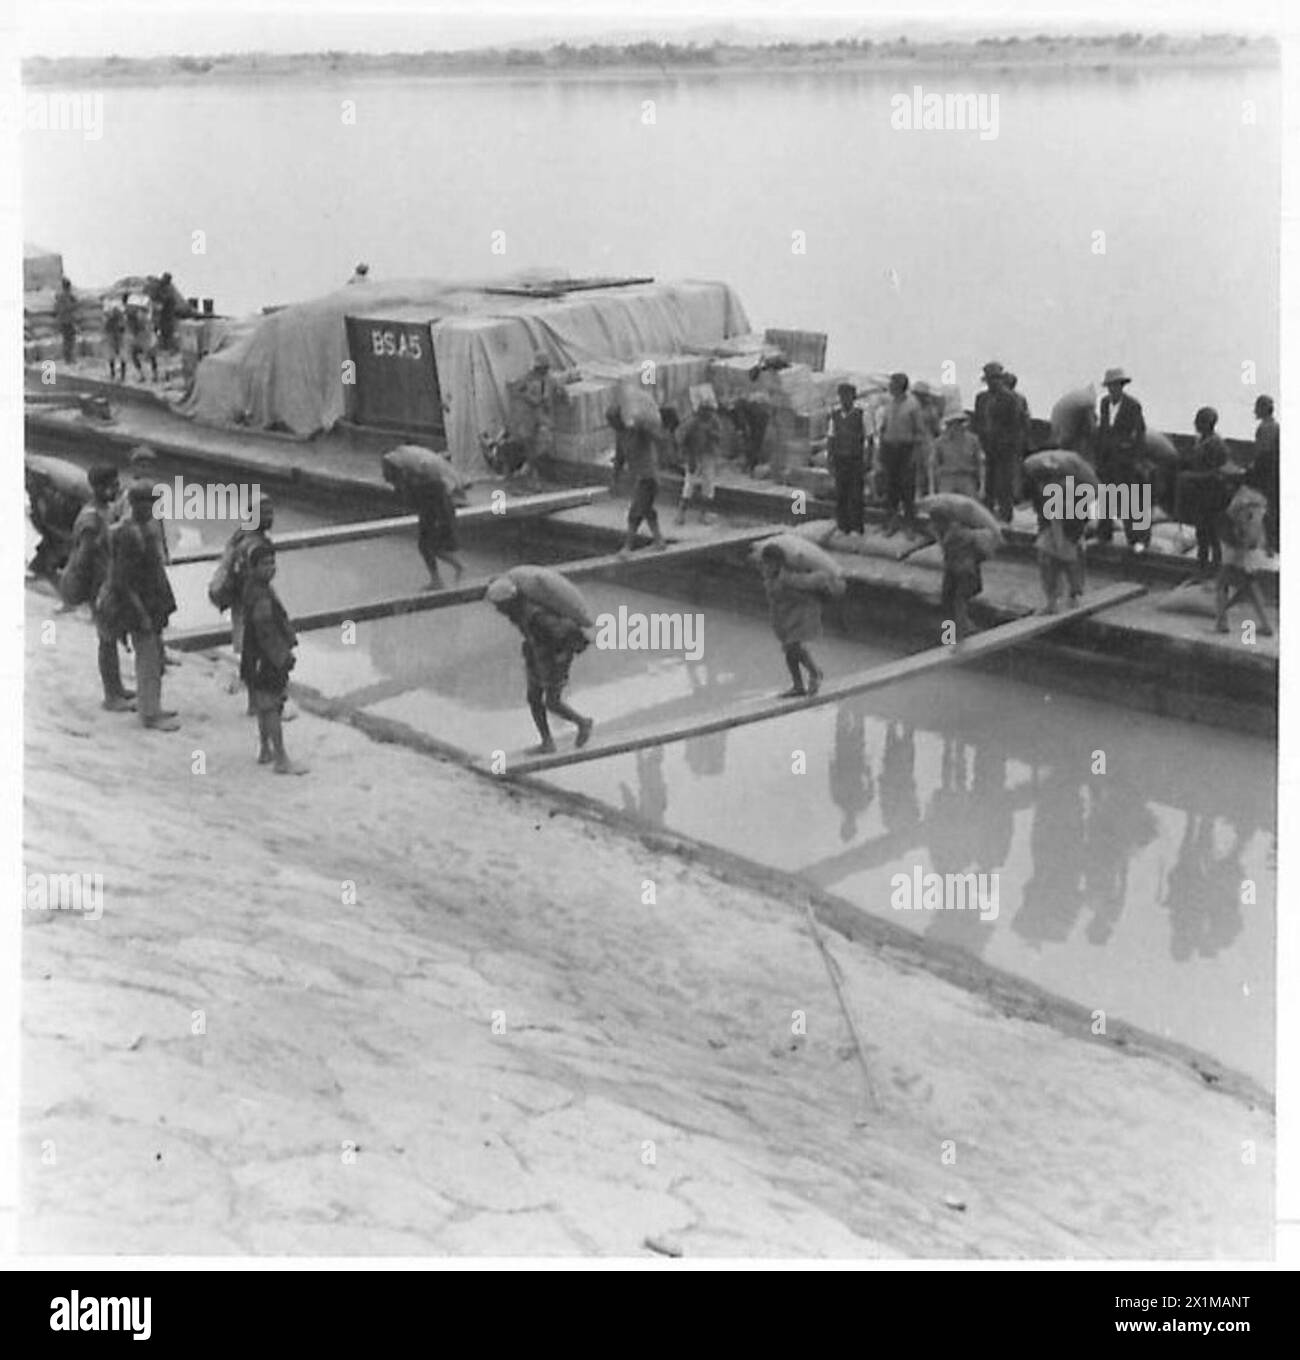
x=267, y=658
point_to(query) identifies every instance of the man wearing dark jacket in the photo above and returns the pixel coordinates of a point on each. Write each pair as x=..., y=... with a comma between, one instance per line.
x=1263, y=474
x=138, y=601
x=89, y=564
x=65, y=317
x=1121, y=451
x=847, y=446
x=999, y=425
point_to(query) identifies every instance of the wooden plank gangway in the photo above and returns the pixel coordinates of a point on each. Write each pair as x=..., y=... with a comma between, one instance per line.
x=199, y=639
x=762, y=708
x=515, y=507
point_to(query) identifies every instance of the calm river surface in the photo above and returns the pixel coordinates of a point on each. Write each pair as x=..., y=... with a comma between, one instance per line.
x=921, y=247
x=1120, y=891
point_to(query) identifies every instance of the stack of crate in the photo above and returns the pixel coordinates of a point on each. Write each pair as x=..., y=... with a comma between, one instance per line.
x=582, y=432
x=675, y=375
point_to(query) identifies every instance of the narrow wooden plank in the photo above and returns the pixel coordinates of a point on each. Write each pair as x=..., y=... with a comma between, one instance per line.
x=761, y=709
x=199, y=639
x=520, y=507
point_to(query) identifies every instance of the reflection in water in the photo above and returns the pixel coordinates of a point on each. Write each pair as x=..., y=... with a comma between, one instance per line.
x=650, y=803
x=1052, y=897
x=705, y=756
x=899, y=809
x=952, y=835
x=1119, y=825
x=965, y=774
x=851, y=781
x=1203, y=892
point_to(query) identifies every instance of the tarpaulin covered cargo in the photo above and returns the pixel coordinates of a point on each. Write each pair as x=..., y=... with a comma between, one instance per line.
x=41, y=268
x=288, y=371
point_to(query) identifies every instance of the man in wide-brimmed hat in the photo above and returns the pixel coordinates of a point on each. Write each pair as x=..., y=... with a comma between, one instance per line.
x=958, y=464
x=847, y=450
x=1121, y=451
x=998, y=425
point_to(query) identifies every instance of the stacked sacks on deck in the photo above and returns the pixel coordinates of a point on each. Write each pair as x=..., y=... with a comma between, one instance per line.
x=41, y=337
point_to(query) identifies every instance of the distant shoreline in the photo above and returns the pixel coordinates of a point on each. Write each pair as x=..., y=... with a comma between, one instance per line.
x=643, y=61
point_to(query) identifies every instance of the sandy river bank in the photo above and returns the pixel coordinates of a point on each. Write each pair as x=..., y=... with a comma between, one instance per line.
x=374, y=1010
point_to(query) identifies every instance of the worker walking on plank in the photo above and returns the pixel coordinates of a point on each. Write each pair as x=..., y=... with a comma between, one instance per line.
x=551, y=641
x=794, y=600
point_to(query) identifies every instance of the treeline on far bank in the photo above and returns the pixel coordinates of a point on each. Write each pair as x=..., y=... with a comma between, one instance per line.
x=1040, y=49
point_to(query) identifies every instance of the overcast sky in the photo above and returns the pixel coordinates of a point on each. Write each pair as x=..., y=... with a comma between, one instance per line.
x=141, y=28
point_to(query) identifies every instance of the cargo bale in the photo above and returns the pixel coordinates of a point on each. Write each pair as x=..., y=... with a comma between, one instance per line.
x=593, y=446
x=800, y=347
x=583, y=407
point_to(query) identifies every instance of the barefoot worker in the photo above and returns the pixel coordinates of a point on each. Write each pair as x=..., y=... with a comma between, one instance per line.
x=795, y=590
x=139, y=601
x=551, y=640
x=1242, y=530
x=969, y=534
x=636, y=447
x=267, y=658
x=87, y=574
x=429, y=484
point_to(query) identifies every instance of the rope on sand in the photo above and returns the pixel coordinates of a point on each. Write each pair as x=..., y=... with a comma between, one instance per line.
x=833, y=972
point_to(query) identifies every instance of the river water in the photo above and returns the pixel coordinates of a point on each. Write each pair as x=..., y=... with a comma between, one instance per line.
x=920, y=247
x=1119, y=890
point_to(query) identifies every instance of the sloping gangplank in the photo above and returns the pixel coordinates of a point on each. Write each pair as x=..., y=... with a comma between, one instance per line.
x=515, y=507
x=761, y=709
x=199, y=639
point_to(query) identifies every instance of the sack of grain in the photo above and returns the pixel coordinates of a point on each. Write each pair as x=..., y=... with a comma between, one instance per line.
x=412, y=463
x=637, y=407
x=802, y=554
x=544, y=587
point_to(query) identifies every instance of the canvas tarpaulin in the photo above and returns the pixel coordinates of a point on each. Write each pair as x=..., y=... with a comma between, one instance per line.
x=286, y=373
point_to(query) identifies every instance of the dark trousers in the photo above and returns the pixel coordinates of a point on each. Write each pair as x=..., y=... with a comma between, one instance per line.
x=69, y=334
x=1123, y=472
x=110, y=668
x=643, y=504
x=1209, y=551
x=959, y=586
x=849, y=488
x=148, y=674
x=900, y=478
x=1001, y=493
